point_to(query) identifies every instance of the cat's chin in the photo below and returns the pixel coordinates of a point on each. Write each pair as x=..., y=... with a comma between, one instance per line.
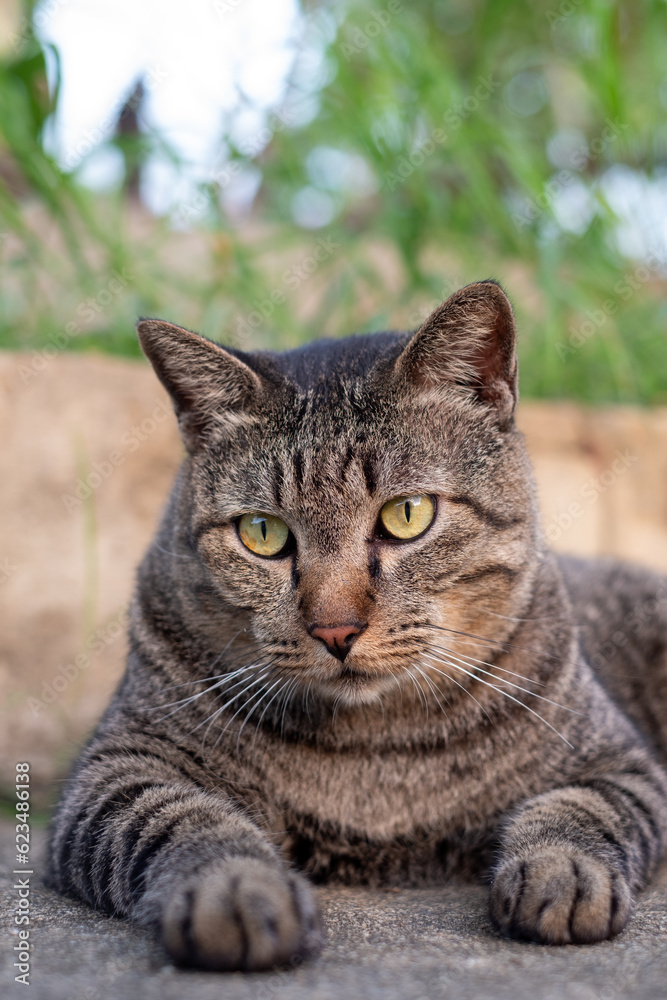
x=353, y=687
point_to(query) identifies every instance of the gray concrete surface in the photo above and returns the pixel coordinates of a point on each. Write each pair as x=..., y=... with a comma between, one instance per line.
x=407, y=945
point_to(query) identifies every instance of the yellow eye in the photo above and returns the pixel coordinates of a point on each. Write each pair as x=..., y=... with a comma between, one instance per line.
x=407, y=517
x=263, y=534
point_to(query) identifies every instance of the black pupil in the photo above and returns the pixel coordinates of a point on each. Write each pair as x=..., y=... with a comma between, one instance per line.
x=408, y=508
x=263, y=523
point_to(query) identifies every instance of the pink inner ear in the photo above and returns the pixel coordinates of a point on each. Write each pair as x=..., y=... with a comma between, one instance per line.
x=468, y=341
x=207, y=384
x=495, y=358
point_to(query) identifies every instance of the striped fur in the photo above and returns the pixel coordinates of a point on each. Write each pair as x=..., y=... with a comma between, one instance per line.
x=481, y=724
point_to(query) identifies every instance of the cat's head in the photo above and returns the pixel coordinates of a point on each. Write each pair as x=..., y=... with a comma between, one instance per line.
x=358, y=506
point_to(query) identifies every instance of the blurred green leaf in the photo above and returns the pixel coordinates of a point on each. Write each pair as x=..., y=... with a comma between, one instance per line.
x=440, y=142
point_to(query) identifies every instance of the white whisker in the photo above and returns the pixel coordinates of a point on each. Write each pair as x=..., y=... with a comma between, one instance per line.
x=462, y=686
x=433, y=688
x=464, y=659
x=175, y=555
x=476, y=645
x=286, y=698
x=422, y=696
x=263, y=694
x=259, y=695
x=506, y=694
x=264, y=667
x=220, y=682
x=505, y=644
x=511, y=618
x=285, y=681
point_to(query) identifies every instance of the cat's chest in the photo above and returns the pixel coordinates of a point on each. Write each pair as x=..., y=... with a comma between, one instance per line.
x=381, y=795
x=385, y=819
x=392, y=817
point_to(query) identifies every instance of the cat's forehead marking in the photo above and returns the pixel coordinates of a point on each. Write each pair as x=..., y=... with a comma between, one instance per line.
x=329, y=458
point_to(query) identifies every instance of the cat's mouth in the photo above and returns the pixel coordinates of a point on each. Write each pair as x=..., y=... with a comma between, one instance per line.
x=354, y=675
x=355, y=685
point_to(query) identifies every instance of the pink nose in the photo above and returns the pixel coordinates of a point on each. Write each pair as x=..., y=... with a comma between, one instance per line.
x=337, y=638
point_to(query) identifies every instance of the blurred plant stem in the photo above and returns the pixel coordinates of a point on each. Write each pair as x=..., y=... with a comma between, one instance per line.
x=426, y=144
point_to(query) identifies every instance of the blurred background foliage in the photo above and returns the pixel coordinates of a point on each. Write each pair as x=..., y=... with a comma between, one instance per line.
x=418, y=146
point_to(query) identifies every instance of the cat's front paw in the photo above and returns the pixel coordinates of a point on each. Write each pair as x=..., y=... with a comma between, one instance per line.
x=243, y=914
x=559, y=895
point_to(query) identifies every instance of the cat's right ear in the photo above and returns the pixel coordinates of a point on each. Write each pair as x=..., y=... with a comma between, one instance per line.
x=210, y=388
x=468, y=345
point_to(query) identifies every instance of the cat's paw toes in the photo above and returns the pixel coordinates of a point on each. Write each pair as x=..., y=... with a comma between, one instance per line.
x=244, y=914
x=559, y=895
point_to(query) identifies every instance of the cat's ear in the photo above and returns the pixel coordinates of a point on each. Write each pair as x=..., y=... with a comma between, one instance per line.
x=469, y=341
x=210, y=388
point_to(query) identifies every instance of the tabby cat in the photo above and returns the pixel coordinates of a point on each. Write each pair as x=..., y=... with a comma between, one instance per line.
x=353, y=658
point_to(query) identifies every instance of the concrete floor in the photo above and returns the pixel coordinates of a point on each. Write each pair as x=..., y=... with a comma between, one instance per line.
x=394, y=945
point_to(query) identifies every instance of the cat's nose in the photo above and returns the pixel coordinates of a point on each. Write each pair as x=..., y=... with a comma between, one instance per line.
x=337, y=638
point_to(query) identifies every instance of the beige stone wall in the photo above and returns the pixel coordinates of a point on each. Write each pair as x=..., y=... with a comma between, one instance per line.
x=67, y=565
x=67, y=561
x=602, y=478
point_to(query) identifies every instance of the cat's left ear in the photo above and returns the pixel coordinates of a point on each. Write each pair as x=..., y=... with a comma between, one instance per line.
x=469, y=342
x=212, y=390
